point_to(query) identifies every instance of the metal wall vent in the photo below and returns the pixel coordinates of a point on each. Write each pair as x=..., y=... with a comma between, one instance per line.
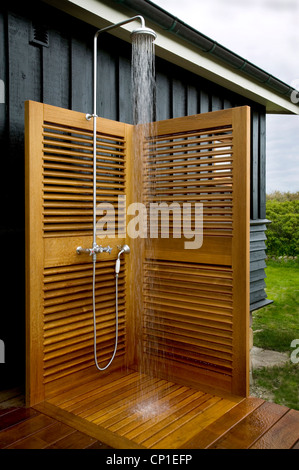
x=39, y=35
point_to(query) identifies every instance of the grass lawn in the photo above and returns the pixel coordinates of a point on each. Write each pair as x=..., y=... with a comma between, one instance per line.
x=281, y=383
x=275, y=327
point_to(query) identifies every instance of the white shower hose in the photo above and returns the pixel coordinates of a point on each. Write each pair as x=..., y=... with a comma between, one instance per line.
x=117, y=267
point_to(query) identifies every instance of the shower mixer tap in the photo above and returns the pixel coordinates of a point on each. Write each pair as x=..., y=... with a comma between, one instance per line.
x=102, y=249
x=94, y=250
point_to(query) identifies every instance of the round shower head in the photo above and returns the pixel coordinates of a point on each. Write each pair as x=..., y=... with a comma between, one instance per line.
x=145, y=32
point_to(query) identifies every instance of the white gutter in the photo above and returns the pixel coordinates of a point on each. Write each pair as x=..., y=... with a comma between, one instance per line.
x=180, y=52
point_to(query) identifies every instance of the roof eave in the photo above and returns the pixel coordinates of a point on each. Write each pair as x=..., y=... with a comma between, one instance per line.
x=180, y=44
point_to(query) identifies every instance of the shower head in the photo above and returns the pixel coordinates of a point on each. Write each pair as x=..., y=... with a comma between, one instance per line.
x=123, y=249
x=144, y=31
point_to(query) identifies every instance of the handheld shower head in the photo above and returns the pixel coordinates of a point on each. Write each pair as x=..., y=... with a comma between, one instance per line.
x=124, y=249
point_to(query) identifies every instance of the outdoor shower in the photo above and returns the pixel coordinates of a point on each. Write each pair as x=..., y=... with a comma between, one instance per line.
x=144, y=32
x=169, y=327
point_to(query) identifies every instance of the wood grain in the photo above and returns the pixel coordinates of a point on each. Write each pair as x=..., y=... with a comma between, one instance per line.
x=245, y=433
x=282, y=435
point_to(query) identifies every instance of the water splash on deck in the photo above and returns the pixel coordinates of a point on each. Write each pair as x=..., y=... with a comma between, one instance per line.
x=150, y=409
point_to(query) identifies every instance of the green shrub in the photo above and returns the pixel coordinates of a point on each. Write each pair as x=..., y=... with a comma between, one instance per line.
x=282, y=209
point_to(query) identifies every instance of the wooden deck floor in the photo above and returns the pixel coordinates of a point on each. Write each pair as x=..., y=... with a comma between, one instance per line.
x=164, y=415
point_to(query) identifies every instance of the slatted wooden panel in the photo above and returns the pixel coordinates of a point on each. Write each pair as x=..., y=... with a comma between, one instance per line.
x=189, y=314
x=196, y=311
x=194, y=166
x=68, y=329
x=68, y=177
x=59, y=199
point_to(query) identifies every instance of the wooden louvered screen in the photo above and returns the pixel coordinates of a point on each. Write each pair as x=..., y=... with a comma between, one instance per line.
x=59, y=201
x=195, y=301
x=196, y=307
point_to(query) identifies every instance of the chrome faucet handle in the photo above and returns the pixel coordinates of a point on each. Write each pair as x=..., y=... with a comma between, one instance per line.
x=80, y=250
x=101, y=249
x=106, y=249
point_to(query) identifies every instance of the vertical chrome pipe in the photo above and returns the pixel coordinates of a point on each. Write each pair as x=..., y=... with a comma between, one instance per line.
x=95, y=139
x=94, y=115
x=94, y=245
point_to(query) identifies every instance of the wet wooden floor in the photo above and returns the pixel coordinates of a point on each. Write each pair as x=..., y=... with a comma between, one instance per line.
x=137, y=411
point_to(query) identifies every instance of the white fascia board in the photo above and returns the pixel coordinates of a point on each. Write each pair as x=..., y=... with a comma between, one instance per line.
x=179, y=52
x=190, y=58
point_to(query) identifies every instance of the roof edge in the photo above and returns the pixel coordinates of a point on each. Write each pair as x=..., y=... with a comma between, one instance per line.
x=177, y=27
x=184, y=46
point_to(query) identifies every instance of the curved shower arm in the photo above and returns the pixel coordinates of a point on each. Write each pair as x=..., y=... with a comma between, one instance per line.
x=103, y=30
x=94, y=115
x=121, y=23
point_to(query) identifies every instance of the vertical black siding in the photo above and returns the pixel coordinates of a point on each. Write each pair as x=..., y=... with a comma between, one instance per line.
x=163, y=96
x=258, y=296
x=81, y=96
x=192, y=100
x=55, y=69
x=262, y=167
x=61, y=75
x=3, y=72
x=124, y=91
x=254, y=163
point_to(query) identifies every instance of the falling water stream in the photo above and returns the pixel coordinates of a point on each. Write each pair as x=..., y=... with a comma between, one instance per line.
x=143, y=94
x=143, y=79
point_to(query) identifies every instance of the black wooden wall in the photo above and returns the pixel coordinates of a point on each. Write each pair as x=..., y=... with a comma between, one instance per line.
x=60, y=74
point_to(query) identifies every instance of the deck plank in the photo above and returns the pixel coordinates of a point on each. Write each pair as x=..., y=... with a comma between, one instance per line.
x=223, y=424
x=24, y=429
x=97, y=432
x=122, y=390
x=72, y=397
x=15, y=416
x=200, y=420
x=148, y=393
x=170, y=425
x=296, y=446
x=283, y=434
x=128, y=414
x=44, y=437
x=11, y=393
x=251, y=428
x=76, y=440
x=12, y=398
x=187, y=402
x=146, y=411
